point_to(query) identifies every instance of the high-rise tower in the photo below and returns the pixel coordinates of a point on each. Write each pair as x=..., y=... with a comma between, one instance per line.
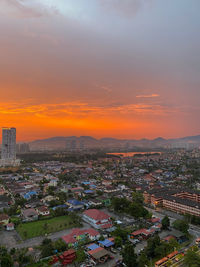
x=8, y=149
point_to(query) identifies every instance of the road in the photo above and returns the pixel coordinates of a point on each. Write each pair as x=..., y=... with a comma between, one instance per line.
x=193, y=230
x=12, y=239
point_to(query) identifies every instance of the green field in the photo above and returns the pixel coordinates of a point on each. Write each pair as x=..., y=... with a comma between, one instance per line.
x=47, y=226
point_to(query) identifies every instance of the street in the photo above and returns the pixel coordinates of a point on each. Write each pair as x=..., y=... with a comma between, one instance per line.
x=12, y=239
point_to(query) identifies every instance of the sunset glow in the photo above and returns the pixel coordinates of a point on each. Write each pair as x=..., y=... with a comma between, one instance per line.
x=100, y=68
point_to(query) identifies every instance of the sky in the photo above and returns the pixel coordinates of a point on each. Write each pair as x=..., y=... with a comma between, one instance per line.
x=104, y=68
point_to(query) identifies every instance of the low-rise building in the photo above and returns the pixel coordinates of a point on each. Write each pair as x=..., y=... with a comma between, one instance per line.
x=4, y=219
x=43, y=210
x=97, y=218
x=29, y=215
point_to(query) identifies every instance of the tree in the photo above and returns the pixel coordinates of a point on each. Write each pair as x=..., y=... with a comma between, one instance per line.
x=51, y=190
x=118, y=241
x=192, y=259
x=137, y=210
x=181, y=225
x=6, y=261
x=119, y=232
x=173, y=244
x=80, y=255
x=46, y=241
x=137, y=197
x=60, y=245
x=165, y=223
x=101, y=238
x=47, y=250
x=62, y=196
x=120, y=204
x=143, y=260
x=152, y=244
x=129, y=256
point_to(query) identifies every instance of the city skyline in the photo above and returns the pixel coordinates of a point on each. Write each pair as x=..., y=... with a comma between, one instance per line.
x=125, y=69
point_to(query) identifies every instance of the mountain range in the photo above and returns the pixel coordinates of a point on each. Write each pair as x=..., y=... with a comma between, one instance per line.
x=88, y=142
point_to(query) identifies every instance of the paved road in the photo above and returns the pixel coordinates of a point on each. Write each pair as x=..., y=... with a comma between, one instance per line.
x=193, y=230
x=12, y=239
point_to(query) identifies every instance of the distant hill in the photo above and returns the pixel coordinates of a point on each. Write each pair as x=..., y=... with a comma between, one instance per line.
x=88, y=142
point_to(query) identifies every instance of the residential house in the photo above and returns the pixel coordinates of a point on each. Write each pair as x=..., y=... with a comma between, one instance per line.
x=78, y=235
x=75, y=204
x=4, y=219
x=10, y=226
x=29, y=215
x=43, y=210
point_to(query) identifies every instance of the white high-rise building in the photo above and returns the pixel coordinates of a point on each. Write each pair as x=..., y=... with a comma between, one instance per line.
x=8, y=149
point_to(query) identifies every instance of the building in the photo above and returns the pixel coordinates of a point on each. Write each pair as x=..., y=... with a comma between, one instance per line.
x=8, y=149
x=183, y=201
x=4, y=219
x=43, y=210
x=97, y=218
x=179, y=205
x=29, y=215
x=22, y=148
x=77, y=235
x=10, y=226
x=65, y=258
x=75, y=204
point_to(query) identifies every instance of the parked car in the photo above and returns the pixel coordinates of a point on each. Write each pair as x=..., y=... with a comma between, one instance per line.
x=113, y=250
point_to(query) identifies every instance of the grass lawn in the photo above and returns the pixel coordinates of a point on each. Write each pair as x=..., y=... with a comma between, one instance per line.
x=42, y=227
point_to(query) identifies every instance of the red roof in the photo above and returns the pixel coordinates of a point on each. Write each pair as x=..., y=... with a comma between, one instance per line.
x=154, y=220
x=171, y=255
x=140, y=231
x=42, y=209
x=151, y=231
x=161, y=261
x=106, y=226
x=92, y=232
x=10, y=225
x=96, y=215
x=3, y=217
x=71, y=238
x=95, y=250
x=69, y=252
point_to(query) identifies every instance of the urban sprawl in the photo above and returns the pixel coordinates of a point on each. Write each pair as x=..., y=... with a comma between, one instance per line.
x=89, y=208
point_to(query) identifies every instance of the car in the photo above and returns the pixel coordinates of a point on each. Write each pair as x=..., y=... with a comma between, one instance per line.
x=113, y=250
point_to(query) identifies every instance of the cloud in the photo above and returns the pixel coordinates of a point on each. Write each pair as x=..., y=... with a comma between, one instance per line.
x=25, y=8
x=124, y=7
x=105, y=88
x=79, y=109
x=148, y=96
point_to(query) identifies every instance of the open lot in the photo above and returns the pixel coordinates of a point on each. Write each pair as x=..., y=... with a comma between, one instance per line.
x=44, y=227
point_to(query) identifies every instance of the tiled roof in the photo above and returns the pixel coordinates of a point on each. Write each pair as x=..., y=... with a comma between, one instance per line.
x=71, y=238
x=140, y=231
x=4, y=217
x=97, y=215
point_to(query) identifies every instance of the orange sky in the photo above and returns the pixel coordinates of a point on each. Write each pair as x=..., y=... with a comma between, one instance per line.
x=98, y=69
